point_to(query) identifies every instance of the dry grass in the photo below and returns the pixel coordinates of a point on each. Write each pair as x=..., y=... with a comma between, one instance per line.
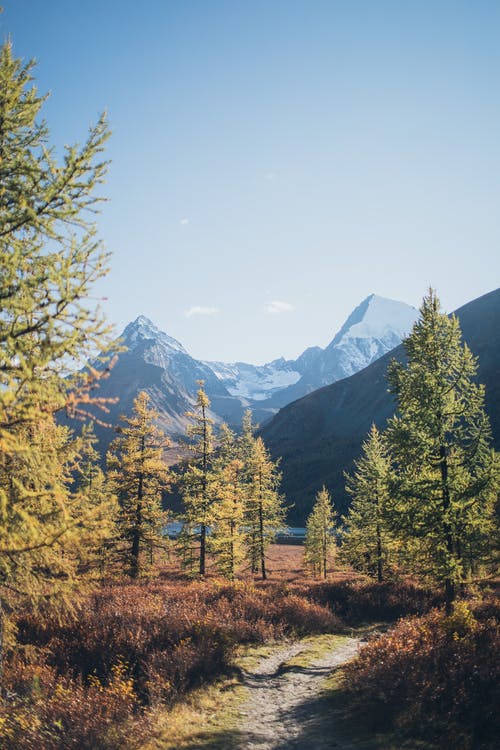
x=90, y=681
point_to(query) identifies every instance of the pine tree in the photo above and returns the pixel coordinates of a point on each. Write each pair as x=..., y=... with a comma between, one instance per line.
x=320, y=541
x=264, y=512
x=50, y=254
x=445, y=479
x=246, y=439
x=226, y=540
x=94, y=490
x=138, y=476
x=197, y=481
x=49, y=526
x=367, y=542
x=50, y=260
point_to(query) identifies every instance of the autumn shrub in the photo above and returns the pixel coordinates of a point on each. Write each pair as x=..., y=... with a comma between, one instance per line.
x=435, y=676
x=183, y=634
x=358, y=601
x=46, y=711
x=88, y=680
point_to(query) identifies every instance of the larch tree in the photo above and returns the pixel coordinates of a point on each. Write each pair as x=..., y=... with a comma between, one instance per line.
x=445, y=480
x=138, y=476
x=51, y=258
x=197, y=482
x=226, y=540
x=246, y=439
x=320, y=529
x=93, y=487
x=367, y=541
x=264, y=509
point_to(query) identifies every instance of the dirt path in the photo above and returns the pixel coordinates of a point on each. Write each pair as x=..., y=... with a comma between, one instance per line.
x=285, y=708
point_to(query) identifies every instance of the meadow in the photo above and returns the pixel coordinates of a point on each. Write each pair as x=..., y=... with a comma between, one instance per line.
x=99, y=677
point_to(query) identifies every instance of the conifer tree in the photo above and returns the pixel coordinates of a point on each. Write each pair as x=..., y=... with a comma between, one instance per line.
x=264, y=513
x=445, y=480
x=246, y=439
x=50, y=259
x=94, y=491
x=197, y=481
x=367, y=542
x=49, y=525
x=226, y=540
x=50, y=254
x=138, y=476
x=320, y=541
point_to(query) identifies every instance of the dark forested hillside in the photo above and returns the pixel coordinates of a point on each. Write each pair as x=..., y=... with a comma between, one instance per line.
x=320, y=435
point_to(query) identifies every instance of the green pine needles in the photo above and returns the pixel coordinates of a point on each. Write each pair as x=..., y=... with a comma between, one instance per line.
x=230, y=487
x=50, y=259
x=424, y=491
x=320, y=540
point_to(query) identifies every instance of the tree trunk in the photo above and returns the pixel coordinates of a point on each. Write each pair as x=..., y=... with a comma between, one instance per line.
x=203, y=528
x=449, y=585
x=231, y=554
x=136, y=533
x=379, y=553
x=203, y=548
x=261, y=542
x=2, y=646
x=325, y=546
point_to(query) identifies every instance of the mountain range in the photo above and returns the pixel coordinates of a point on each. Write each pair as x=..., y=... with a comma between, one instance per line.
x=319, y=436
x=316, y=410
x=375, y=327
x=156, y=362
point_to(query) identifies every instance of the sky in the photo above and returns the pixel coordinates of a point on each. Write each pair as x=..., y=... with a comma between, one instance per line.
x=274, y=162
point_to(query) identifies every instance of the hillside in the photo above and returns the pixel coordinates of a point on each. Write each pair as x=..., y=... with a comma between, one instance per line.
x=320, y=435
x=159, y=364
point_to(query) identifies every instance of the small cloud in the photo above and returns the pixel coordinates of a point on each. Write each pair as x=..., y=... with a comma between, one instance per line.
x=184, y=221
x=199, y=310
x=279, y=307
x=270, y=176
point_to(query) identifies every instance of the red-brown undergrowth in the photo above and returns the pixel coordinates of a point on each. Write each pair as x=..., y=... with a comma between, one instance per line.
x=84, y=683
x=358, y=601
x=434, y=676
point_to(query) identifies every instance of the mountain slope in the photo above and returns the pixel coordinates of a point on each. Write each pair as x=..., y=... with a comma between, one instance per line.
x=319, y=436
x=160, y=365
x=375, y=327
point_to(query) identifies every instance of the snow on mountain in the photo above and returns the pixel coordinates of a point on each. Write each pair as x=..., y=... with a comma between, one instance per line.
x=377, y=318
x=143, y=329
x=255, y=382
x=374, y=327
x=159, y=364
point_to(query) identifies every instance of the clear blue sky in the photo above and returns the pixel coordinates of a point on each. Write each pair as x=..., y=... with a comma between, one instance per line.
x=274, y=162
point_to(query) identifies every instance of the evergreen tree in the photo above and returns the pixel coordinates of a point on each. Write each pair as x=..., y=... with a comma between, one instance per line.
x=49, y=526
x=93, y=488
x=319, y=541
x=50, y=260
x=138, y=475
x=445, y=479
x=264, y=512
x=367, y=542
x=50, y=254
x=226, y=540
x=197, y=481
x=246, y=439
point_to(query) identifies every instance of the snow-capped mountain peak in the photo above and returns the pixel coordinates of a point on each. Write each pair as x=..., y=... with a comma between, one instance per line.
x=374, y=327
x=162, y=365
x=143, y=328
x=376, y=318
